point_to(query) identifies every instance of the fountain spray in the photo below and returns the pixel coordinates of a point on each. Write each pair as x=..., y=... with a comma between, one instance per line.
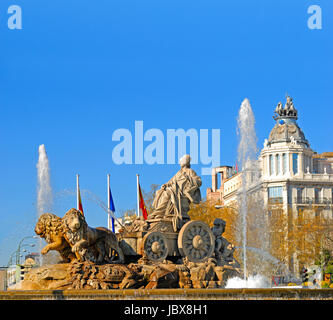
x=44, y=191
x=247, y=150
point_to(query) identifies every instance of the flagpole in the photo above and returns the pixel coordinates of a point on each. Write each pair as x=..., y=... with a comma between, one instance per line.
x=138, y=196
x=108, y=192
x=77, y=192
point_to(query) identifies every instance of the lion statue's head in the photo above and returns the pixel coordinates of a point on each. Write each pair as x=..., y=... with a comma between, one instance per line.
x=74, y=224
x=48, y=224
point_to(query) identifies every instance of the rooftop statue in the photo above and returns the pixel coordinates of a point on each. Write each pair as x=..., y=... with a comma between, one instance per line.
x=287, y=111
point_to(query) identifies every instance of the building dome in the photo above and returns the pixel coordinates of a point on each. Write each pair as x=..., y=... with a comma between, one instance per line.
x=286, y=128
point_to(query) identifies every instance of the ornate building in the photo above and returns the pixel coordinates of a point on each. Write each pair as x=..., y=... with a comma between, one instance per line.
x=292, y=174
x=292, y=177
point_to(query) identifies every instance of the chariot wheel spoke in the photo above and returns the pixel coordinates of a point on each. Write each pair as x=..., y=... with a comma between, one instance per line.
x=196, y=241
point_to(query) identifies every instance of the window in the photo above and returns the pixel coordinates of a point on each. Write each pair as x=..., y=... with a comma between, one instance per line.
x=275, y=194
x=317, y=192
x=307, y=163
x=295, y=163
x=271, y=164
x=300, y=195
x=284, y=163
x=278, y=164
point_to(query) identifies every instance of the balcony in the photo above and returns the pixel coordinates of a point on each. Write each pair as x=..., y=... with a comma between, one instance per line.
x=276, y=200
x=314, y=200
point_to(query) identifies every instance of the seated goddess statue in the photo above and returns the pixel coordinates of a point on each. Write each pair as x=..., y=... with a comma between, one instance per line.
x=175, y=196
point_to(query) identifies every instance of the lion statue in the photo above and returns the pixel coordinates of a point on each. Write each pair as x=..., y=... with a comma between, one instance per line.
x=93, y=244
x=49, y=227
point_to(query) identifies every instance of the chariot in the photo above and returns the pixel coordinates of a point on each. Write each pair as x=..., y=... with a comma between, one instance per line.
x=168, y=237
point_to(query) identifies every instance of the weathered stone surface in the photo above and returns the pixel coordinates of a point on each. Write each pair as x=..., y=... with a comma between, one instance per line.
x=55, y=276
x=87, y=275
x=55, y=272
x=164, y=276
x=184, y=277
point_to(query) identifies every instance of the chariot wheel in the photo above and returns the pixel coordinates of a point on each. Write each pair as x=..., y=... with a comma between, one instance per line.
x=196, y=241
x=155, y=246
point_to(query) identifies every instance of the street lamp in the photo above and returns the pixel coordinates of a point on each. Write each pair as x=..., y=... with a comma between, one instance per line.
x=20, y=246
x=24, y=250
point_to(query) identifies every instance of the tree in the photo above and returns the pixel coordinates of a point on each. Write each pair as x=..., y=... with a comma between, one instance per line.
x=302, y=235
x=149, y=196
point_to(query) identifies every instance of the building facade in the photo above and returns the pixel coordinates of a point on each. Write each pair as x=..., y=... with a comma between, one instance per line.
x=292, y=176
x=291, y=173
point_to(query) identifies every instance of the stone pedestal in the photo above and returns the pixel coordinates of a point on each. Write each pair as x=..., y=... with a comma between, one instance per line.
x=87, y=276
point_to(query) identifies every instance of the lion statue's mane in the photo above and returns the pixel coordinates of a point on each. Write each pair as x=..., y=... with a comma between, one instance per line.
x=92, y=244
x=50, y=227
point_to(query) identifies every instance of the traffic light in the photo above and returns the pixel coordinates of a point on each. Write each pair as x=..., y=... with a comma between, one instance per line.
x=304, y=275
x=22, y=272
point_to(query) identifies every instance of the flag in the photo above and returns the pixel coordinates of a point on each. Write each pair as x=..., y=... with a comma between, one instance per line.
x=111, y=208
x=236, y=168
x=80, y=201
x=142, y=205
x=78, y=195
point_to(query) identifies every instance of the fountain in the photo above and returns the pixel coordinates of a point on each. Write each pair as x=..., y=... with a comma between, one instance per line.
x=166, y=250
x=44, y=190
x=247, y=149
x=247, y=157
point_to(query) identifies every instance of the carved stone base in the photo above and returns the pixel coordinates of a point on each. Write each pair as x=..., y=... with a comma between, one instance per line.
x=86, y=275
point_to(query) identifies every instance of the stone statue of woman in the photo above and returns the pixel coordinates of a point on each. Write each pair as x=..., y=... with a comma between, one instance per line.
x=175, y=196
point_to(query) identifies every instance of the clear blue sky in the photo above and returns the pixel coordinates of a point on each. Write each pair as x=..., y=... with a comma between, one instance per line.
x=78, y=70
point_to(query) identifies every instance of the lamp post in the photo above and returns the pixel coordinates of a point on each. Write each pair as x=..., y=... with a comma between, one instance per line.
x=19, y=248
x=18, y=256
x=24, y=250
x=10, y=261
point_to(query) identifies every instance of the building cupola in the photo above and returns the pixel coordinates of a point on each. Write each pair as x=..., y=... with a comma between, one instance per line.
x=286, y=128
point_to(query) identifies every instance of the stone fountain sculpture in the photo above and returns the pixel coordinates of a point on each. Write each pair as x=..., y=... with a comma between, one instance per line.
x=224, y=250
x=167, y=250
x=175, y=196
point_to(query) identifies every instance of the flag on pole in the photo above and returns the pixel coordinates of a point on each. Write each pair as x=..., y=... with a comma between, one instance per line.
x=80, y=203
x=78, y=195
x=142, y=204
x=110, y=206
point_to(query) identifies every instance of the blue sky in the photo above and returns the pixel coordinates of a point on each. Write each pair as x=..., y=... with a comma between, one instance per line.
x=79, y=70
